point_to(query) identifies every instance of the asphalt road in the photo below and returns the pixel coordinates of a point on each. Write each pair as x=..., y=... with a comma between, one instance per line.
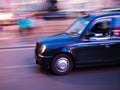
x=18, y=72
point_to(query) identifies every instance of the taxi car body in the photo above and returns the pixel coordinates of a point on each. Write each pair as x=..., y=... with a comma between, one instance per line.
x=84, y=43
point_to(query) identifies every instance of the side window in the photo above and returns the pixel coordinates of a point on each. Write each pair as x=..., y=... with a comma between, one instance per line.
x=116, y=26
x=101, y=27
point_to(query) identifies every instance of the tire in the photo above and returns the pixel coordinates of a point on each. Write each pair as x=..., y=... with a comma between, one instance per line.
x=61, y=64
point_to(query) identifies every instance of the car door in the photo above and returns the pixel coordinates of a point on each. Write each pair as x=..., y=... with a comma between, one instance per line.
x=115, y=47
x=95, y=50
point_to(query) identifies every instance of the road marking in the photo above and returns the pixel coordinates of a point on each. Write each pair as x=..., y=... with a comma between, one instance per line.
x=21, y=66
x=13, y=49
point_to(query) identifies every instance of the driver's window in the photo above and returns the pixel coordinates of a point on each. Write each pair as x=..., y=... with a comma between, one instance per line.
x=101, y=28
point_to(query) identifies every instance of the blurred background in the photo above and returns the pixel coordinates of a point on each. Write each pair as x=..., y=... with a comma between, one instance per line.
x=26, y=21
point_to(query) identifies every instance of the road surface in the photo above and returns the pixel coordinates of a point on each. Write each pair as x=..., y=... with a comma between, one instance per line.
x=18, y=72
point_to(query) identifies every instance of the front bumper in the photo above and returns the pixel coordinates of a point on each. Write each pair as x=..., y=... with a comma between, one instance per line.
x=44, y=61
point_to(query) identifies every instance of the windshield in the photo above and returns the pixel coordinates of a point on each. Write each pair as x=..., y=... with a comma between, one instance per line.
x=78, y=26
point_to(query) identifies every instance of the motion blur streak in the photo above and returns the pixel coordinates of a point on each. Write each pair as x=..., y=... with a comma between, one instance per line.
x=21, y=66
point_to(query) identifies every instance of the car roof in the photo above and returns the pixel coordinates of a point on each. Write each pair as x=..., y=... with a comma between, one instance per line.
x=94, y=16
x=108, y=14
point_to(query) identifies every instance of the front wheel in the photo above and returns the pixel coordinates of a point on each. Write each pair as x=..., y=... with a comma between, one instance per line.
x=61, y=64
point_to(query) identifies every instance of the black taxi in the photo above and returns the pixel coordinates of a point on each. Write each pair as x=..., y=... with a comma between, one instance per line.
x=88, y=41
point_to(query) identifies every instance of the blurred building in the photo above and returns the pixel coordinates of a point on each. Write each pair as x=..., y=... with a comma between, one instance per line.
x=23, y=5
x=66, y=5
x=87, y=5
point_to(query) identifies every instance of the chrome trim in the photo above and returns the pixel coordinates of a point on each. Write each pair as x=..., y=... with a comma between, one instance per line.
x=40, y=55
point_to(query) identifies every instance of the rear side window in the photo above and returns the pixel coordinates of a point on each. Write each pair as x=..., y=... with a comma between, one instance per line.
x=116, y=26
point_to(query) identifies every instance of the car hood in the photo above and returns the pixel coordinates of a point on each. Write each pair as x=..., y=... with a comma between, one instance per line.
x=60, y=39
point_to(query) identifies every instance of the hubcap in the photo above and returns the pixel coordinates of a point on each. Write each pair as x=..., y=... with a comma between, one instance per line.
x=62, y=64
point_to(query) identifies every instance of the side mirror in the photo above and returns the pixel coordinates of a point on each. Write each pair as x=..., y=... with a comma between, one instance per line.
x=88, y=35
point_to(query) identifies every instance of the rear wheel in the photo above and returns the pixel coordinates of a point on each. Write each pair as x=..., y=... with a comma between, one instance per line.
x=61, y=64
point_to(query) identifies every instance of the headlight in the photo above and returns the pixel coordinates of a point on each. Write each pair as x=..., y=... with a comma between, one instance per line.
x=42, y=49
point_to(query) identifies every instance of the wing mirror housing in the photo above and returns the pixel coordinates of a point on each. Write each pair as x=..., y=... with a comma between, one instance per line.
x=88, y=35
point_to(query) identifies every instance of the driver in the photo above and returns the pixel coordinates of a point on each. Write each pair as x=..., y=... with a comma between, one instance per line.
x=103, y=27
